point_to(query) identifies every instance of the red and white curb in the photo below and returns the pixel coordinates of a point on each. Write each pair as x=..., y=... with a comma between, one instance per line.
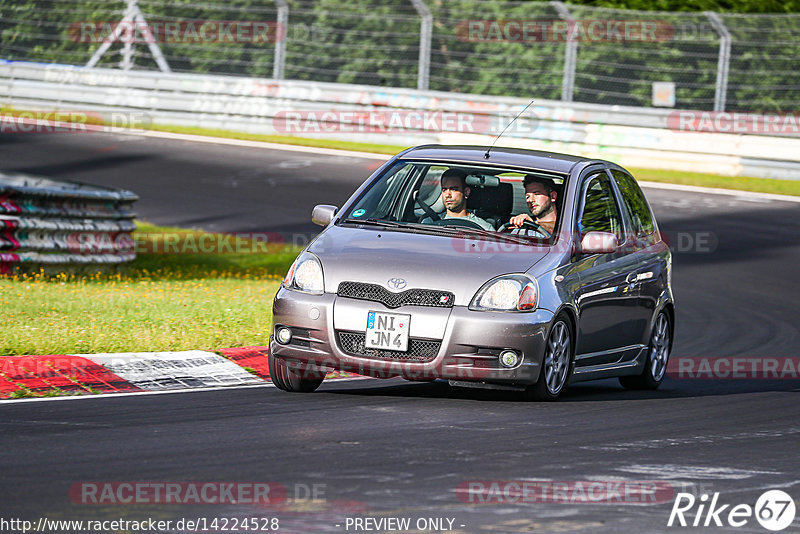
x=134, y=371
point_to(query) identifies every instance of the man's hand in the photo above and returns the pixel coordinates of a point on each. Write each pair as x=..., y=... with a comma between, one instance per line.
x=517, y=220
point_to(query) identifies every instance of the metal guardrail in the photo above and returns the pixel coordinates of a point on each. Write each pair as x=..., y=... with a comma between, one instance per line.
x=636, y=137
x=45, y=222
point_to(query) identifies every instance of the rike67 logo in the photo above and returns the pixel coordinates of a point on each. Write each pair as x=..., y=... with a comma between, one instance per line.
x=774, y=510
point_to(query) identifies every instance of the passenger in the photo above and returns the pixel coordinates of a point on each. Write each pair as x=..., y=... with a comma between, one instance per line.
x=540, y=194
x=455, y=192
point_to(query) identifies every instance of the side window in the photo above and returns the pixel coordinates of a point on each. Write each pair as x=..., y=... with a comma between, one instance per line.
x=600, y=212
x=380, y=200
x=431, y=189
x=634, y=199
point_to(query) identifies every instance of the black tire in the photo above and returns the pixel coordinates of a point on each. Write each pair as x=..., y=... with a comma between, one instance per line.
x=289, y=380
x=655, y=367
x=557, y=362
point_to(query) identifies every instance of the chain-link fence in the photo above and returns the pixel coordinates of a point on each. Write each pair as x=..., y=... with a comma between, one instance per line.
x=545, y=50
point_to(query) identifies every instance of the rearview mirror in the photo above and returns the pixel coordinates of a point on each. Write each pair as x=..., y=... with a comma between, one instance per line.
x=322, y=214
x=481, y=180
x=599, y=243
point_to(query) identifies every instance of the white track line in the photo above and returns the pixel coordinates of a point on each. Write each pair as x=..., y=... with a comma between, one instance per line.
x=259, y=144
x=111, y=395
x=384, y=157
x=366, y=155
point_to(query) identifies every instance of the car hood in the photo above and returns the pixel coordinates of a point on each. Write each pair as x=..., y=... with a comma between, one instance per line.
x=446, y=263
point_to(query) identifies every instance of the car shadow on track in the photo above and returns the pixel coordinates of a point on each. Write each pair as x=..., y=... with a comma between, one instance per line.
x=601, y=390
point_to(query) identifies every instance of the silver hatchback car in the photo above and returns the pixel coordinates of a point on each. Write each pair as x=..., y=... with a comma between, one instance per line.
x=506, y=269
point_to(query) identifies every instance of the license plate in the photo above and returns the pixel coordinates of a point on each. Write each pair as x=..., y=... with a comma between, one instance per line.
x=387, y=331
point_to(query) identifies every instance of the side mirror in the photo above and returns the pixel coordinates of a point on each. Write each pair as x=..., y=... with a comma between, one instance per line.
x=322, y=214
x=599, y=243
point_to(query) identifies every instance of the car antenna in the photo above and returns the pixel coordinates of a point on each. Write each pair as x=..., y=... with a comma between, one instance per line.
x=486, y=156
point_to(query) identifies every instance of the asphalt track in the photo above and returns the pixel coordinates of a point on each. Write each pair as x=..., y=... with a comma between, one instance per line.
x=396, y=449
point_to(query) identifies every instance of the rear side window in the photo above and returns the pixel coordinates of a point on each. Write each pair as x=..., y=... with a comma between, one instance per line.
x=641, y=216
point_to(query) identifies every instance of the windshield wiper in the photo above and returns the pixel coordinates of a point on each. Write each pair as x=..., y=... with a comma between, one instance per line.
x=410, y=226
x=454, y=230
x=491, y=234
x=374, y=222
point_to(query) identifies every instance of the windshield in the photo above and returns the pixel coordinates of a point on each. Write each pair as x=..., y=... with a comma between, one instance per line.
x=424, y=195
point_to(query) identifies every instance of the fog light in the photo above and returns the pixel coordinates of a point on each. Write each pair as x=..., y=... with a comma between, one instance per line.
x=283, y=335
x=509, y=358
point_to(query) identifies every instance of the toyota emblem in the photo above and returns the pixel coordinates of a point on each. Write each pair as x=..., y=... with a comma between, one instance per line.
x=396, y=283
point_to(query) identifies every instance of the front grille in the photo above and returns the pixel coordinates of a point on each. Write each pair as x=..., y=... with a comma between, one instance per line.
x=414, y=297
x=419, y=350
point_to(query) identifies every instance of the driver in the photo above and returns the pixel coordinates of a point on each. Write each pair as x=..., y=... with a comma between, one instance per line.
x=540, y=194
x=455, y=192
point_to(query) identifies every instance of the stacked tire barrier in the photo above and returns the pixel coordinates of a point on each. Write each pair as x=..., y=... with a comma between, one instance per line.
x=49, y=224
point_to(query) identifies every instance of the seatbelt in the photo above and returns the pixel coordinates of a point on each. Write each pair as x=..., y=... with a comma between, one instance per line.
x=427, y=209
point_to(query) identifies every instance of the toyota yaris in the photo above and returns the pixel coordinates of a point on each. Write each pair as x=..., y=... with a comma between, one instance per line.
x=502, y=268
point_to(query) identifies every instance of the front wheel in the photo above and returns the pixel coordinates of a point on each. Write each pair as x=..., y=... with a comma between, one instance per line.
x=556, y=364
x=287, y=379
x=657, y=356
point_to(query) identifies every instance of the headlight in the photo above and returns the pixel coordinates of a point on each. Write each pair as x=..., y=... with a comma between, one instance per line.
x=510, y=292
x=305, y=275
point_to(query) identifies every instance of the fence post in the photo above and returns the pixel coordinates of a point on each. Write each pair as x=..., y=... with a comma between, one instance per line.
x=723, y=62
x=282, y=33
x=133, y=16
x=127, y=55
x=570, y=53
x=127, y=47
x=425, y=32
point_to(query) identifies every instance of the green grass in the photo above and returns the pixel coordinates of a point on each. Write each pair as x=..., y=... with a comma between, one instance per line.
x=283, y=139
x=739, y=183
x=159, y=302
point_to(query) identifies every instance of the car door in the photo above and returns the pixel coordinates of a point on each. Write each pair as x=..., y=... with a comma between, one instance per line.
x=607, y=298
x=651, y=252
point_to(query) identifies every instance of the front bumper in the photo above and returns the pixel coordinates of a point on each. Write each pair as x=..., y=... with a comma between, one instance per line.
x=468, y=341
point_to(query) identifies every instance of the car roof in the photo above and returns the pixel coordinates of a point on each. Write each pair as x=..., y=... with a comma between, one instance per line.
x=506, y=156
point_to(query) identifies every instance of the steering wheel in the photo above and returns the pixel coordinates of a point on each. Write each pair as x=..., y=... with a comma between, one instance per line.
x=457, y=221
x=526, y=225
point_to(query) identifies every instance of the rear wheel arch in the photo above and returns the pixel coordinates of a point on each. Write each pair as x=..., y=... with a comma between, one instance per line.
x=657, y=355
x=669, y=307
